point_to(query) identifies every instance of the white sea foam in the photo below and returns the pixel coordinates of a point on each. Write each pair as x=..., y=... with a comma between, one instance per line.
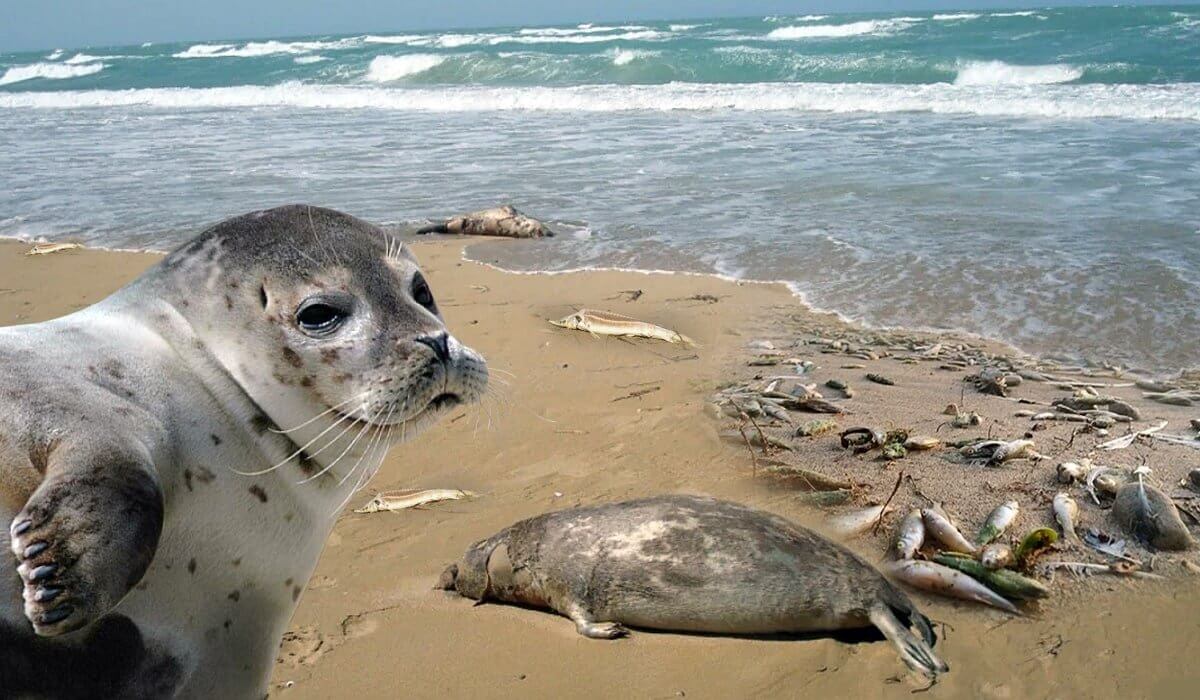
x=581, y=29
x=393, y=39
x=305, y=60
x=55, y=55
x=48, y=71
x=955, y=16
x=385, y=69
x=639, y=35
x=254, y=49
x=623, y=57
x=1001, y=73
x=1021, y=13
x=86, y=58
x=1174, y=101
x=824, y=31
x=683, y=27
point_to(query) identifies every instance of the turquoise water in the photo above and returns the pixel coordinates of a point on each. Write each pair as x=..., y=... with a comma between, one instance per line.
x=1031, y=175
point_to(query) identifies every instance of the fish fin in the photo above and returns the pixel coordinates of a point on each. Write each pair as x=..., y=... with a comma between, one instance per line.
x=916, y=652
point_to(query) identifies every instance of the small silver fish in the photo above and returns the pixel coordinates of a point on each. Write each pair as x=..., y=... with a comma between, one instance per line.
x=856, y=523
x=943, y=580
x=996, y=555
x=910, y=535
x=938, y=524
x=997, y=522
x=1066, y=512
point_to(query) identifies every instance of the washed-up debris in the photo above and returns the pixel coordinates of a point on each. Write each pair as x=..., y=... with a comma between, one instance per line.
x=880, y=379
x=841, y=386
x=1081, y=568
x=815, y=427
x=1150, y=516
x=1171, y=399
x=1104, y=543
x=1007, y=583
x=994, y=381
x=1070, y=472
x=967, y=419
x=999, y=520
x=1192, y=480
x=825, y=498
x=504, y=221
x=1066, y=514
x=756, y=438
x=411, y=498
x=608, y=323
x=853, y=524
x=997, y=452
x=1102, y=483
x=1033, y=545
x=910, y=535
x=943, y=580
x=922, y=442
x=805, y=478
x=1127, y=440
x=862, y=439
x=939, y=525
x=49, y=248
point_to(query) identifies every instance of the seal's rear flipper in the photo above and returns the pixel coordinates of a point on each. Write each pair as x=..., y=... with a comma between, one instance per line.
x=433, y=228
x=916, y=652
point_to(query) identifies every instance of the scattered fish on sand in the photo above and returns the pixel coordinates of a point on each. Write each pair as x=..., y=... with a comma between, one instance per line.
x=996, y=555
x=504, y=221
x=853, y=524
x=1080, y=568
x=1007, y=583
x=1149, y=515
x=48, y=248
x=936, y=578
x=910, y=535
x=941, y=527
x=997, y=522
x=608, y=323
x=1066, y=514
x=411, y=498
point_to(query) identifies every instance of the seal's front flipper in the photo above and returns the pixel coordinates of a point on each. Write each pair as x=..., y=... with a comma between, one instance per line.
x=916, y=652
x=87, y=534
x=596, y=630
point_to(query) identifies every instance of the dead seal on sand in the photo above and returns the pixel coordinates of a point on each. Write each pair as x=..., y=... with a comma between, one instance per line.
x=690, y=564
x=504, y=221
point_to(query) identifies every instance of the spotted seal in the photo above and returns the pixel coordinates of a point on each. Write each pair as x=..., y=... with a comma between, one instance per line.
x=172, y=457
x=504, y=221
x=691, y=564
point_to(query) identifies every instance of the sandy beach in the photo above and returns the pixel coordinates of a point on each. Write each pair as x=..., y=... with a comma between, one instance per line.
x=572, y=419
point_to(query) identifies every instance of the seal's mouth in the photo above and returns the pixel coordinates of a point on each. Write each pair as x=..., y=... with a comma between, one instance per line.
x=444, y=401
x=437, y=403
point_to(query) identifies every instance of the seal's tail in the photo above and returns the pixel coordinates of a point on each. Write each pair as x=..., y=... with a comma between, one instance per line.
x=433, y=228
x=916, y=652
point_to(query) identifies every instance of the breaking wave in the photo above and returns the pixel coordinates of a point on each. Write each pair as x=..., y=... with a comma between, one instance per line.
x=385, y=69
x=1001, y=73
x=49, y=71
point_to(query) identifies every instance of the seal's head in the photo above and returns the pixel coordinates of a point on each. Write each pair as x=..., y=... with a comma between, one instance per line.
x=316, y=313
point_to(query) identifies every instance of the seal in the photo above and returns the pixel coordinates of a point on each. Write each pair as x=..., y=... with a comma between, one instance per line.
x=172, y=458
x=504, y=221
x=691, y=564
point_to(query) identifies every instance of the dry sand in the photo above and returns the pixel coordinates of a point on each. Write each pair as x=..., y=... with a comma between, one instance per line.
x=566, y=431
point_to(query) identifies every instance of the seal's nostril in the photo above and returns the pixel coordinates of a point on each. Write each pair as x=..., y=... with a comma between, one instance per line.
x=440, y=344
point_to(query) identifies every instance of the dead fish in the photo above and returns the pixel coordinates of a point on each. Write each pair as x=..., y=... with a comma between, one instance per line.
x=1171, y=399
x=411, y=498
x=1148, y=385
x=856, y=523
x=1066, y=514
x=1081, y=568
x=910, y=535
x=943, y=580
x=1009, y=584
x=996, y=555
x=966, y=420
x=48, y=248
x=939, y=524
x=1001, y=517
x=1014, y=449
x=1070, y=472
x=504, y=221
x=609, y=323
x=880, y=379
x=1149, y=515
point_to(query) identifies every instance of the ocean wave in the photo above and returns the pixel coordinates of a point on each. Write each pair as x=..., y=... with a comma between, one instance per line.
x=638, y=35
x=54, y=55
x=1001, y=73
x=581, y=29
x=684, y=27
x=1178, y=101
x=623, y=57
x=255, y=49
x=305, y=60
x=822, y=31
x=48, y=71
x=955, y=16
x=1021, y=13
x=385, y=69
x=393, y=39
x=88, y=58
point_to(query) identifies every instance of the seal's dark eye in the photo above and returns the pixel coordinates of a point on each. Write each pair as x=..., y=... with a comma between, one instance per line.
x=421, y=293
x=319, y=318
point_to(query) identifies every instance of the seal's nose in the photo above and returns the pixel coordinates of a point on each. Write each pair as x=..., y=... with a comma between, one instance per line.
x=439, y=343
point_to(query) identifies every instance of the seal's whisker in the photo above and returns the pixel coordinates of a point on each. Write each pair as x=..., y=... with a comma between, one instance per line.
x=367, y=425
x=326, y=412
x=371, y=443
x=300, y=450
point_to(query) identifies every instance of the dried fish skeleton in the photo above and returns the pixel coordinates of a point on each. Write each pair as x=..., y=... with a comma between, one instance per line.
x=608, y=323
x=411, y=498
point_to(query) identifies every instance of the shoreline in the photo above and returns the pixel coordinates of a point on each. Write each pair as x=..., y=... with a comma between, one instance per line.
x=572, y=429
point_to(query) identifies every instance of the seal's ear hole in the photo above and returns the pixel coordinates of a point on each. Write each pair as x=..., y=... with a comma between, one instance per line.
x=262, y=296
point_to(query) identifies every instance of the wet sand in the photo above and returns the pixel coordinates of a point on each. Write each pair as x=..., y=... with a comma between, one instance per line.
x=585, y=420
